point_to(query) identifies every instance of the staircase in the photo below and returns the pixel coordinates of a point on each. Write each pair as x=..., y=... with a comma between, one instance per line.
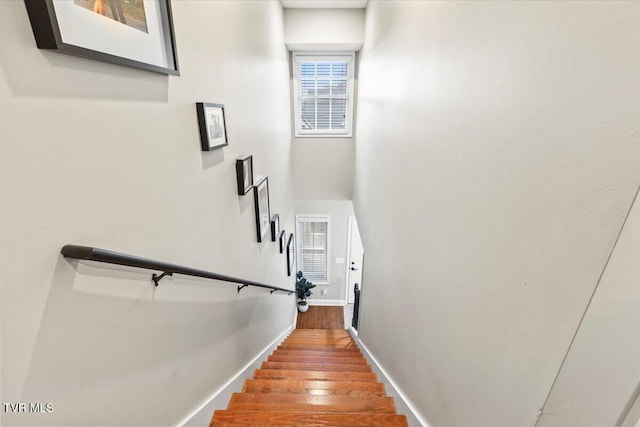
x=315, y=377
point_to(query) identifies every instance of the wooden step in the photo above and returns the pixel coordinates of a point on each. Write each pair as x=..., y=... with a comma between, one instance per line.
x=310, y=403
x=293, y=419
x=330, y=336
x=320, y=338
x=276, y=357
x=301, y=366
x=323, y=332
x=309, y=347
x=318, y=353
x=320, y=388
x=314, y=375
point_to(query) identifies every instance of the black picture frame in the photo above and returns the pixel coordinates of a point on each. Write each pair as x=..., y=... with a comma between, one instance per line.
x=244, y=174
x=291, y=255
x=275, y=227
x=50, y=24
x=283, y=236
x=213, y=129
x=261, y=199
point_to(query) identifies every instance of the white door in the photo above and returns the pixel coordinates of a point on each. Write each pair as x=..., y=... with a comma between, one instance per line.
x=354, y=259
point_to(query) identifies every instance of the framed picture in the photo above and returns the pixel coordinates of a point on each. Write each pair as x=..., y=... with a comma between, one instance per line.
x=263, y=216
x=136, y=34
x=291, y=251
x=213, y=131
x=275, y=227
x=282, y=238
x=244, y=174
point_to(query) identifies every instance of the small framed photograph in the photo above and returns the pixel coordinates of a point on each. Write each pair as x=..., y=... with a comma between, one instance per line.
x=244, y=174
x=130, y=33
x=263, y=216
x=283, y=239
x=213, y=131
x=275, y=227
x=291, y=251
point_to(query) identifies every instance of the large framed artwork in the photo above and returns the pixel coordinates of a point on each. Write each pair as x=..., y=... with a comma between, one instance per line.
x=263, y=215
x=133, y=33
x=213, y=131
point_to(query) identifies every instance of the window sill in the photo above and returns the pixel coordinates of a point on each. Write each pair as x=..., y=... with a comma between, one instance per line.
x=326, y=135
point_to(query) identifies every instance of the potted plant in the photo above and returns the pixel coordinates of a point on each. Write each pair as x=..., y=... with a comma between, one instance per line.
x=303, y=289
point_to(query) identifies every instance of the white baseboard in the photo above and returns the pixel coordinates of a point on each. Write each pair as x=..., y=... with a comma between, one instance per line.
x=326, y=302
x=245, y=371
x=388, y=378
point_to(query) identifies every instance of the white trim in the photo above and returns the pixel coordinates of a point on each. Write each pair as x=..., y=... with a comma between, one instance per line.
x=324, y=4
x=323, y=47
x=389, y=379
x=260, y=355
x=348, y=257
x=326, y=302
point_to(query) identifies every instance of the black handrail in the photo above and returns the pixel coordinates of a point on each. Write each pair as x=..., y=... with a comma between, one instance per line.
x=110, y=257
x=356, y=306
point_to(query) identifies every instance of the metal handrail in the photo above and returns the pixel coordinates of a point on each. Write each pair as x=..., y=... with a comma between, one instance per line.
x=356, y=306
x=110, y=257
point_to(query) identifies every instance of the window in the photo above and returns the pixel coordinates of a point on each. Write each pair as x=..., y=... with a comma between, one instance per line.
x=323, y=94
x=313, y=247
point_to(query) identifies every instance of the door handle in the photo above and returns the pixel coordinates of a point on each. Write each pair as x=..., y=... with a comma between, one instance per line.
x=353, y=269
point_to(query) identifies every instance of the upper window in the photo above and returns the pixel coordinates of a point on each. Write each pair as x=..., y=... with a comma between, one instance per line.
x=323, y=94
x=313, y=247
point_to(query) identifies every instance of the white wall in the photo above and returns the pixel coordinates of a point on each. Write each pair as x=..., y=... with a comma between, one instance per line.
x=598, y=382
x=314, y=29
x=101, y=155
x=323, y=168
x=498, y=153
x=339, y=212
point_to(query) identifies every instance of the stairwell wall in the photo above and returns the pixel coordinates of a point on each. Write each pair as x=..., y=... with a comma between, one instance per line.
x=497, y=156
x=107, y=156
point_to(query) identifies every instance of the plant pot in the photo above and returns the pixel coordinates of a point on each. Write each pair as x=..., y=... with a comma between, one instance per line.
x=303, y=307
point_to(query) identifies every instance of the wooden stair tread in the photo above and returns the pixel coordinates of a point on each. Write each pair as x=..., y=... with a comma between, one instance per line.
x=343, y=388
x=315, y=375
x=321, y=332
x=344, y=367
x=319, y=343
x=317, y=359
x=321, y=339
x=311, y=407
x=342, y=403
x=280, y=418
x=307, y=347
x=317, y=353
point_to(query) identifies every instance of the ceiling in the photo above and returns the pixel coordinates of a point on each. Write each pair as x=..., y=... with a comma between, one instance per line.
x=324, y=4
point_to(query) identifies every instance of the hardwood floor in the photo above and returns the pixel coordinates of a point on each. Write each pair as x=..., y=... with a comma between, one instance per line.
x=321, y=317
x=316, y=377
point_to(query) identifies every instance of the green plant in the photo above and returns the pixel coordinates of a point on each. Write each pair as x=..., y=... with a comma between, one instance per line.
x=303, y=287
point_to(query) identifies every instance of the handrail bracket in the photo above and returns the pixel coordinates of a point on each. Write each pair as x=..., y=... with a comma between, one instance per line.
x=241, y=287
x=156, y=279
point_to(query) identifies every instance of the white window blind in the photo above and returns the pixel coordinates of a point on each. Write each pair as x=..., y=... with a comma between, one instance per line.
x=313, y=247
x=323, y=94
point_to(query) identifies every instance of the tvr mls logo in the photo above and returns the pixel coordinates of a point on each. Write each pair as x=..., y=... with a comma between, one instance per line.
x=30, y=408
